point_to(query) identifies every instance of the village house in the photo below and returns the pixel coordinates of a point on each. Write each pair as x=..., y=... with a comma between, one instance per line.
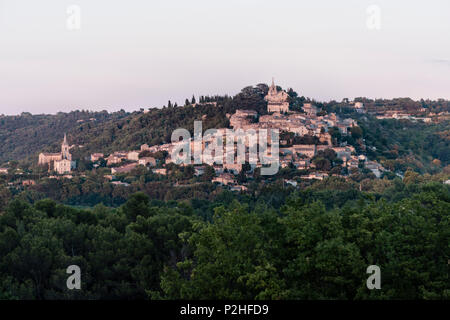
x=161, y=171
x=96, y=156
x=309, y=150
x=359, y=107
x=120, y=183
x=284, y=163
x=301, y=163
x=300, y=130
x=124, y=169
x=315, y=176
x=147, y=161
x=352, y=162
x=310, y=109
x=344, y=152
x=238, y=188
x=322, y=147
x=224, y=179
x=133, y=155
x=233, y=167
x=242, y=118
x=375, y=167
x=3, y=170
x=28, y=182
x=116, y=157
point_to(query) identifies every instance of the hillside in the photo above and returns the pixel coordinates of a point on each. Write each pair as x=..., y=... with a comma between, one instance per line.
x=26, y=135
x=156, y=125
x=398, y=145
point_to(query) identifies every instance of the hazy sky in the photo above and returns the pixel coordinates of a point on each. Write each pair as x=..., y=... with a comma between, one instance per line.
x=136, y=53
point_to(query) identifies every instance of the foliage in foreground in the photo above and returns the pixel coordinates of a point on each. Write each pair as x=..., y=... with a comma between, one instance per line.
x=302, y=250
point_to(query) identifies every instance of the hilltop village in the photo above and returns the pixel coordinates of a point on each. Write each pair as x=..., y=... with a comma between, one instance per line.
x=305, y=144
x=317, y=144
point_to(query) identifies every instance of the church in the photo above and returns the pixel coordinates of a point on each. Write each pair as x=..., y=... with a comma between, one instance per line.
x=277, y=101
x=62, y=162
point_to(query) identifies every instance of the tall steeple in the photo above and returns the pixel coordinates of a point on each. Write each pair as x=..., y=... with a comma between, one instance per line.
x=65, y=153
x=277, y=101
x=273, y=88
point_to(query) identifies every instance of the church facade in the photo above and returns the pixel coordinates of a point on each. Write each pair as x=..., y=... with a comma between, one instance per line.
x=277, y=101
x=62, y=162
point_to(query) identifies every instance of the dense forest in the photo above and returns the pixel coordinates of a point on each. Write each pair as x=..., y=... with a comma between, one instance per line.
x=247, y=248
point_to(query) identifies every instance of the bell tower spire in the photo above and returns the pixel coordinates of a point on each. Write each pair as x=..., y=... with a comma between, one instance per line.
x=65, y=149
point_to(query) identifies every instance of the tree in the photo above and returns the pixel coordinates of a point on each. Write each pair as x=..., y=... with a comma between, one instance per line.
x=229, y=260
x=356, y=132
x=136, y=206
x=322, y=164
x=241, y=177
x=209, y=173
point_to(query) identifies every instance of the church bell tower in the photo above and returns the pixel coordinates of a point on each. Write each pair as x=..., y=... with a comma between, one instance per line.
x=65, y=153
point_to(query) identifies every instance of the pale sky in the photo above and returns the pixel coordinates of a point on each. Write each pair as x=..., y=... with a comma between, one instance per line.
x=141, y=53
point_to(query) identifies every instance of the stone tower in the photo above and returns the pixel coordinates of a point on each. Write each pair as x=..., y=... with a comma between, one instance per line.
x=65, y=152
x=277, y=101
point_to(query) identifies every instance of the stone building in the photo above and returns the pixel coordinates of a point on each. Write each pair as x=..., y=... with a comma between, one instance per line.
x=147, y=161
x=309, y=150
x=242, y=118
x=62, y=162
x=124, y=169
x=359, y=107
x=277, y=101
x=96, y=156
x=63, y=166
x=116, y=157
x=310, y=109
x=133, y=155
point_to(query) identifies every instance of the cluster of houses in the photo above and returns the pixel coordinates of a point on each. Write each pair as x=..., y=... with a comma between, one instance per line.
x=132, y=159
x=401, y=115
x=299, y=155
x=310, y=122
x=420, y=115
